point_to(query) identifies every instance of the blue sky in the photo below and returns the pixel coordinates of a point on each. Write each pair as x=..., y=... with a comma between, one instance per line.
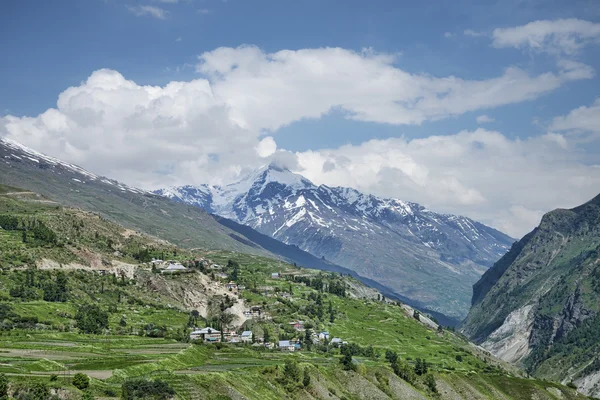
x=51, y=46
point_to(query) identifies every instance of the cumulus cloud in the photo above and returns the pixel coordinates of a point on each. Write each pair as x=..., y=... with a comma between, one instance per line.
x=585, y=119
x=484, y=119
x=143, y=135
x=266, y=147
x=559, y=37
x=214, y=129
x=483, y=174
x=151, y=11
x=271, y=90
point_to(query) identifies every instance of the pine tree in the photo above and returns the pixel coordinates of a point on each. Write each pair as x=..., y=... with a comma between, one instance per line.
x=306, y=378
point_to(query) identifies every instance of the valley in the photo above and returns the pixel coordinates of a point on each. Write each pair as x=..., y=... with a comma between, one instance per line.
x=137, y=322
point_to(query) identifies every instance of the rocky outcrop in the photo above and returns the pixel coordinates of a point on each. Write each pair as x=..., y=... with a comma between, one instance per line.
x=510, y=342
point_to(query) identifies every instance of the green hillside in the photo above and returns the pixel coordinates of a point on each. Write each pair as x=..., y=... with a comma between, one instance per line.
x=141, y=211
x=77, y=296
x=549, y=283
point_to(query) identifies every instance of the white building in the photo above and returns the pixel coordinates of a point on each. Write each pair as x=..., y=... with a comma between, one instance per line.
x=207, y=334
x=247, y=337
x=286, y=345
x=175, y=267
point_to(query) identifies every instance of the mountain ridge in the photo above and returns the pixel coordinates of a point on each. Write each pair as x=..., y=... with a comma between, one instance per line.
x=182, y=225
x=337, y=223
x=539, y=306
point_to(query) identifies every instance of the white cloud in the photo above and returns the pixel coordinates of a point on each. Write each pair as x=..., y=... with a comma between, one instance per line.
x=586, y=119
x=449, y=35
x=179, y=39
x=484, y=119
x=271, y=90
x=212, y=130
x=203, y=11
x=561, y=36
x=152, y=11
x=167, y=1
x=266, y=147
x=143, y=135
x=483, y=174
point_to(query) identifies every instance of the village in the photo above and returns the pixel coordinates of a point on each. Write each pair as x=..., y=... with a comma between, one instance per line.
x=298, y=334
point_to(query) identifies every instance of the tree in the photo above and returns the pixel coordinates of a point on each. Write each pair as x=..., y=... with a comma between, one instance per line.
x=307, y=339
x=266, y=335
x=306, y=378
x=346, y=361
x=430, y=383
x=57, y=291
x=391, y=356
x=81, y=381
x=3, y=387
x=291, y=371
x=403, y=370
x=91, y=318
x=234, y=267
x=331, y=313
x=420, y=367
x=123, y=322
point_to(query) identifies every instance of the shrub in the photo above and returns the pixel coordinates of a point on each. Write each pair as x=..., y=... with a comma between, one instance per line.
x=81, y=381
x=391, y=356
x=87, y=396
x=133, y=389
x=430, y=383
x=91, y=318
x=3, y=387
x=420, y=367
x=403, y=370
x=32, y=391
x=347, y=363
x=291, y=372
x=306, y=379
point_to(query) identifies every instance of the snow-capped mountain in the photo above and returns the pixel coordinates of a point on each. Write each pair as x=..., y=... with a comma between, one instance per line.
x=428, y=257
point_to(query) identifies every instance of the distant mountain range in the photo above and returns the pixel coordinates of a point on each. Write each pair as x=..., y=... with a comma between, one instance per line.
x=427, y=257
x=539, y=306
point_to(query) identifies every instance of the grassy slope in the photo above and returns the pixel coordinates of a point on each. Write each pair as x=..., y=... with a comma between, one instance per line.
x=53, y=345
x=185, y=225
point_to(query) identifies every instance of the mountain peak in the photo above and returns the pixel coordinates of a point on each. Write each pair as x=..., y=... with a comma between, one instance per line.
x=273, y=172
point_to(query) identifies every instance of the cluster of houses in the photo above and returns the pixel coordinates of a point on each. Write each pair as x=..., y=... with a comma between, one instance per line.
x=211, y=335
x=257, y=313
